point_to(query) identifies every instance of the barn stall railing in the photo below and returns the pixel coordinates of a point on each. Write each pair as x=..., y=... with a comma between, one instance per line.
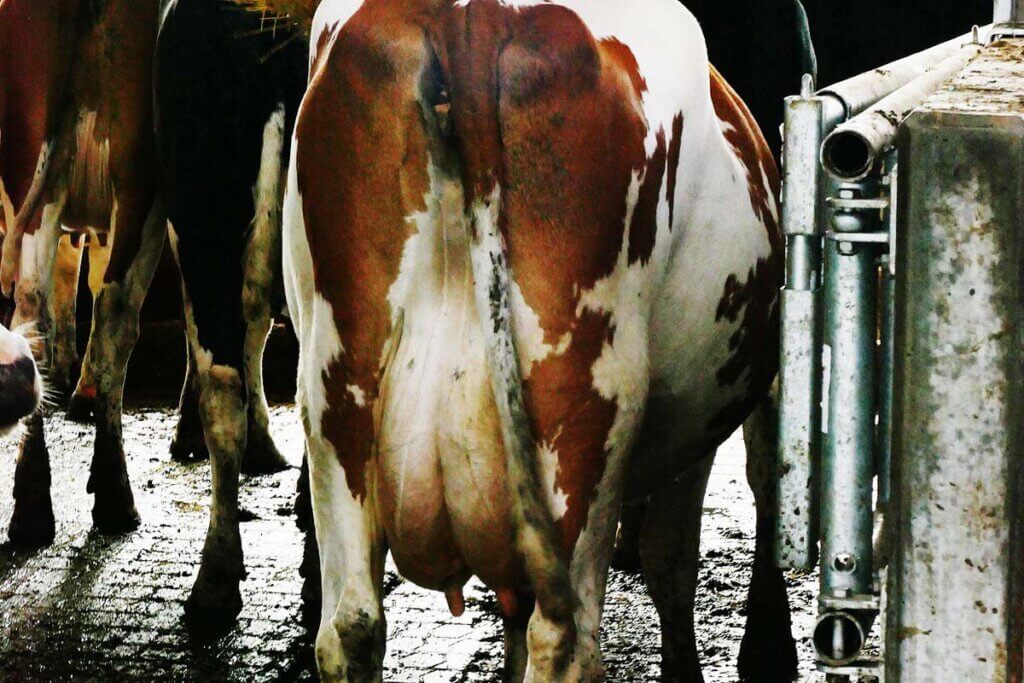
x=849, y=335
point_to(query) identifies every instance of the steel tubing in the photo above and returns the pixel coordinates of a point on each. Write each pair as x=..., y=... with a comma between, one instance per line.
x=853, y=149
x=859, y=92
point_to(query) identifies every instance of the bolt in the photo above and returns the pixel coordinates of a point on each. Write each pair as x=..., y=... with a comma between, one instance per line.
x=844, y=562
x=846, y=248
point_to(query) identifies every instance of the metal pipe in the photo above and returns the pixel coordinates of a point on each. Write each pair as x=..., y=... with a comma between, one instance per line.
x=839, y=635
x=847, y=468
x=807, y=119
x=860, y=92
x=885, y=370
x=853, y=149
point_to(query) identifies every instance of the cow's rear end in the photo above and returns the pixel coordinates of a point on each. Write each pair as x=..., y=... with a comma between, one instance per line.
x=483, y=202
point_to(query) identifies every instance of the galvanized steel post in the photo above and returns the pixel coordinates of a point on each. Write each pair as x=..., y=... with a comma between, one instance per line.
x=848, y=463
x=956, y=575
x=796, y=541
x=1009, y=12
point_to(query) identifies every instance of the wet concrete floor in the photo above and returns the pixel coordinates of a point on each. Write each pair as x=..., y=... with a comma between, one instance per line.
x=95, y=607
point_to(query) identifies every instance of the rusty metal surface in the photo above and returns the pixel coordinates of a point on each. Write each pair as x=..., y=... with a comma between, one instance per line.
x=991, y=84
x=863, y=90
x=956, y=580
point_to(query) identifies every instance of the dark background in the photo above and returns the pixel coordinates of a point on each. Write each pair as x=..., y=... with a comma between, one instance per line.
x=756, y=45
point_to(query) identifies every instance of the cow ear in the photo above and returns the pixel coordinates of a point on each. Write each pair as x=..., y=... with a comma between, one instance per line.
x=298, y=12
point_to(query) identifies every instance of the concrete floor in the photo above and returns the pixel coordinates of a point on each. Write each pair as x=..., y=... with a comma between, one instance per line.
x=108, y=608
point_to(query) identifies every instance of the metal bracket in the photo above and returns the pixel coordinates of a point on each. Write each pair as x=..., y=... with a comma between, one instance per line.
x=858, y=237
x=858, y=204
x=868, y=667
x=850, y=602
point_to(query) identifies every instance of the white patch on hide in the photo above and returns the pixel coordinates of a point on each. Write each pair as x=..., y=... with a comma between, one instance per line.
x=547, y=466
x=358, y=395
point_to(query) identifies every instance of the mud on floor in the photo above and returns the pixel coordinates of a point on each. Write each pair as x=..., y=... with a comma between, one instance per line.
x=95, y=607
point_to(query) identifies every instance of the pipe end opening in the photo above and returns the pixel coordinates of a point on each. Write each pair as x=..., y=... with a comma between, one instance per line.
x=838, y=638
x=847, y=155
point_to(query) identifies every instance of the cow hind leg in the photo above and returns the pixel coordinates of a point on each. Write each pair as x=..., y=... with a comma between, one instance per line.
x=670, y=557
x=82, y=404
x=215, y=598
x=516, y=652
x=64, y=358
x=627, y=540
x=309, y=570
x=214, y=326
x=768, y=651
x=114, y=333
x=350, y=640
x=262, y=259
x=189, y=442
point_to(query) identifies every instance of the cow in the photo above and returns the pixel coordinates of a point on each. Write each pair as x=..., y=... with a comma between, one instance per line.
x=226, y=88
x=21, y=386
x=77, y=150
x=532, y=257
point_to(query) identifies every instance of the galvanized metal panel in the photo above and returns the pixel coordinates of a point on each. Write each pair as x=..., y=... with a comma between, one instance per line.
x=956, y=580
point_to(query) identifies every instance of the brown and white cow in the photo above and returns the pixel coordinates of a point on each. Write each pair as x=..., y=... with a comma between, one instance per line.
x=77, y=150
x=532, y=254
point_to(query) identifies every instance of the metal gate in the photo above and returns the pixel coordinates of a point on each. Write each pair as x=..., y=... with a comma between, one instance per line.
x=901, y=431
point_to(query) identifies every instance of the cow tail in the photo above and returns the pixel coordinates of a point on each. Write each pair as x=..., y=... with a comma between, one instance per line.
x=535, y=534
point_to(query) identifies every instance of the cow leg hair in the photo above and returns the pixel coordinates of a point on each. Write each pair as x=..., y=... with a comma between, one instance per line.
x=215, y=596
x=64, y=362
x=116, y=327
x=350, y=641
x=189, y=442
x=670, y=557
x=32, y=524
x=82, y=406
x=768, y=651
x=262, y=261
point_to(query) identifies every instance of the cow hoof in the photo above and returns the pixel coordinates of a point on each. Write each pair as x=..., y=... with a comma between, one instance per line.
x=81, y=409
x=626, y=558
x=211, y=608
x=184, y=452
x=262, y=457
x=115, y=517
x=31, y=529
x=767, y=658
